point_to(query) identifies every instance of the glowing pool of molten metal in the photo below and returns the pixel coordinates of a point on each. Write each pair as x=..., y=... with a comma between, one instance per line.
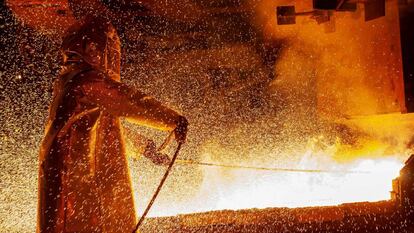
x=370, y=180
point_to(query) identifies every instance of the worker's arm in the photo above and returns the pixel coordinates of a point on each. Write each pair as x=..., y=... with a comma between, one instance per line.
x=121, y=100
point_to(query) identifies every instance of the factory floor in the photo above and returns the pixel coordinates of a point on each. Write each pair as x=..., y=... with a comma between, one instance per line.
x=364, y=217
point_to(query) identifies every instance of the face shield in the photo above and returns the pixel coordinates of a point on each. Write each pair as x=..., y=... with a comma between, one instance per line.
x=96, y=42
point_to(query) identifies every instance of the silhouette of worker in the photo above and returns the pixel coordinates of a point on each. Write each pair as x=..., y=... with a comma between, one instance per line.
x=84, y=183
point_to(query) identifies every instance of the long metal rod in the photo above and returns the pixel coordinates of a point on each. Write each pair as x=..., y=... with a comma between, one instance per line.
x=192, y=162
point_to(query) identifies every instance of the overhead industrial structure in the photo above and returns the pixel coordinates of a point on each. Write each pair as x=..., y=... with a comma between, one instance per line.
x=323, y=9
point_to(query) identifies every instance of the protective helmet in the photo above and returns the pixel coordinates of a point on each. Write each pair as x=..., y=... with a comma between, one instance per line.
x=95, y=41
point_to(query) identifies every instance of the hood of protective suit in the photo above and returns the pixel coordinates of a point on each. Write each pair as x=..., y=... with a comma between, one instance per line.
x=95, y=41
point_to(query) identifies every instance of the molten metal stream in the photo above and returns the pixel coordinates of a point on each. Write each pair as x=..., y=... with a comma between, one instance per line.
x=244, y=187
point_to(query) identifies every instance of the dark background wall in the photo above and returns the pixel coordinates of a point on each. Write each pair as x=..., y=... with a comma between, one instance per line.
x=407, y=46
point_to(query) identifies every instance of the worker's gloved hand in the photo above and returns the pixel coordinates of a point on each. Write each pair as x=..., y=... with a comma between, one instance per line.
x=155, y=156
x=181, y=129
x=161, y=159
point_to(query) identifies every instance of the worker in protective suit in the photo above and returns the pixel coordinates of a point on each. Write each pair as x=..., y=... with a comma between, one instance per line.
x=84, y=183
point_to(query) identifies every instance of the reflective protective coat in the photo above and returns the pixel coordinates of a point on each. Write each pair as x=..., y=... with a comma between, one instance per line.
x=84, y=183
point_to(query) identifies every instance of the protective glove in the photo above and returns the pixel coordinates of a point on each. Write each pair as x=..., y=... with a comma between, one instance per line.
x=156, y=157
x=161, y=159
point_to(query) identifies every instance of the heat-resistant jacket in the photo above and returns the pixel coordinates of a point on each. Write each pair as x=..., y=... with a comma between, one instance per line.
x=84, y=183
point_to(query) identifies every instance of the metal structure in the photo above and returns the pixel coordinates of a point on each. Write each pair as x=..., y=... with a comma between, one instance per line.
x=322, y=9
x=403, y=187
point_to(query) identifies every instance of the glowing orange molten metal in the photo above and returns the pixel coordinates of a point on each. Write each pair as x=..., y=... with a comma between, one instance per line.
x=365, y=179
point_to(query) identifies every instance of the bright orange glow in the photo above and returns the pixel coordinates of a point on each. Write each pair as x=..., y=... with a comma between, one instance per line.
x=354, y=172
x=353, y=66
x=365, y=179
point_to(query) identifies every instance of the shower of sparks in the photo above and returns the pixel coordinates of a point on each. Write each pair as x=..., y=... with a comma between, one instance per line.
x=252, y=96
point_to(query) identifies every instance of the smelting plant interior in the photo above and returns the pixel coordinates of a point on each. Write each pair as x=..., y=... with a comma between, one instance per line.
x=206, y=116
